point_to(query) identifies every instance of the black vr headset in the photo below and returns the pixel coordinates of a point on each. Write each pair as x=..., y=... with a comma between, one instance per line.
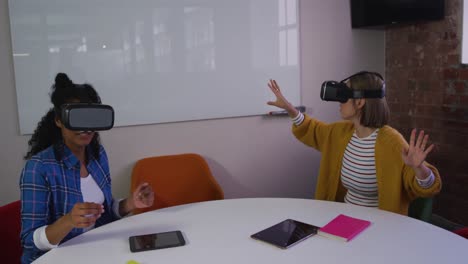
x=87, y=117
x=340, y=92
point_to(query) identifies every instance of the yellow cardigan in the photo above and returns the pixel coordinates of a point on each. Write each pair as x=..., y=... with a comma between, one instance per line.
x=396, y=182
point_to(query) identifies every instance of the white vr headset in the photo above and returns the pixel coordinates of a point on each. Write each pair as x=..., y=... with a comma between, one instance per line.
x=87, y=117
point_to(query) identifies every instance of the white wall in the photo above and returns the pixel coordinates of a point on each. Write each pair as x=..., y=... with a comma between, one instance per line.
x=250, y=156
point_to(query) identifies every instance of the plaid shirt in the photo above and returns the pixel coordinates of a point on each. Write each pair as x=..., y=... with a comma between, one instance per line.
x=50, y=188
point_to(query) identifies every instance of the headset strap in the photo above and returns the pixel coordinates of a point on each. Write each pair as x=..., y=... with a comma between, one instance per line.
x=369, y=93
x=380, y=93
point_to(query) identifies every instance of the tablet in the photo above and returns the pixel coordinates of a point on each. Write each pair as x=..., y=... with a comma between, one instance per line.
x=286, y=233
x=156, y=241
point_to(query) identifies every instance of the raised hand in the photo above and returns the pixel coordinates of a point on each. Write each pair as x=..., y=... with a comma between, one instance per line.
x=281, y=101
x=417, y=152
x=85, y=214
x=143, y=196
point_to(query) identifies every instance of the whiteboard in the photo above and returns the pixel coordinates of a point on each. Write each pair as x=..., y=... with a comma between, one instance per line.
x=157, y=61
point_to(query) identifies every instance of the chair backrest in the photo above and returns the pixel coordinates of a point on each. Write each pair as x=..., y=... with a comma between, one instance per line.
x=421, y=208
x=176, y=179
x=10, y=226
x=462, y=232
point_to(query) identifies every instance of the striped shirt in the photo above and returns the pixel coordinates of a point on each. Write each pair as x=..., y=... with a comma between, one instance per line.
x=358, y=173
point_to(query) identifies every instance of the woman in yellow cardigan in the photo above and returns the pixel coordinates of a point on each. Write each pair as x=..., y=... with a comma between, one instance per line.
x=365, y=161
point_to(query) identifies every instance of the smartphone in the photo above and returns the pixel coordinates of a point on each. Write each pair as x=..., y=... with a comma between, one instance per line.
x=286, y=233
x=156, y=241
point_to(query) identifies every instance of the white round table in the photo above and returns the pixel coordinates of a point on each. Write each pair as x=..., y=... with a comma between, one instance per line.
x=219, y=232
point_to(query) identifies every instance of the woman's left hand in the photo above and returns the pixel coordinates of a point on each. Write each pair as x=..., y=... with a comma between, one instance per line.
x=143, y=196
x=416, y=153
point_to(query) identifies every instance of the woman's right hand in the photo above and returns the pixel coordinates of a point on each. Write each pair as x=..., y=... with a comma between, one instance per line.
x=84, y=214
x=281, y=101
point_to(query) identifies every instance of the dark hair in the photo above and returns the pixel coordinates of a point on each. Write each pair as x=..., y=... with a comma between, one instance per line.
x=375, y=112
x=47, y=133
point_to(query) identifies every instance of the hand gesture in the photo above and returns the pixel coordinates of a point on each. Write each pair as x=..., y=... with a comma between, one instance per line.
x=143, y=196
x=85, y=214
x=281, y=101
x=417, y=152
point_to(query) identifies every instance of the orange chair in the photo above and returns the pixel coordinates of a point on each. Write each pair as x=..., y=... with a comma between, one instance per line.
x=176, y=180
x=10, y=228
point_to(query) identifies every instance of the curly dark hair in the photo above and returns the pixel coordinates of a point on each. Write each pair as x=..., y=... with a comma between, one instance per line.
x=47, y=133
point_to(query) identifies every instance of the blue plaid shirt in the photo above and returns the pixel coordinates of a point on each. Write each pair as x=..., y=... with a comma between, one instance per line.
x=50, y=188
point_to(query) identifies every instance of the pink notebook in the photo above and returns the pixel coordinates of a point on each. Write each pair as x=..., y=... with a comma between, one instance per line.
x=343, y=227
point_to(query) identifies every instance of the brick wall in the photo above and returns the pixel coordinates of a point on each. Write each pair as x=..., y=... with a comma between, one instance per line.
x=427, y=88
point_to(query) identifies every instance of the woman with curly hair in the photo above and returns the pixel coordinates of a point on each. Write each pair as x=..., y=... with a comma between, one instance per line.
x=65, y=184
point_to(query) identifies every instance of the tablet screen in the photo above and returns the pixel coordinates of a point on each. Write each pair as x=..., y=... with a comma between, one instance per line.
x=156, y=241
x=286, y=233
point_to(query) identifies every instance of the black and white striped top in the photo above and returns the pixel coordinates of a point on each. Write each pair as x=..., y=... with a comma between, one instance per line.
x=358, y=173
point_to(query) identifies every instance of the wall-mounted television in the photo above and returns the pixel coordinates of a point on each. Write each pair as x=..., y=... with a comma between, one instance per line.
x=376, y=13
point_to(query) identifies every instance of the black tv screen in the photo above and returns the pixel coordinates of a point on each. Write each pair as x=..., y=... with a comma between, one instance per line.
x=371, y=13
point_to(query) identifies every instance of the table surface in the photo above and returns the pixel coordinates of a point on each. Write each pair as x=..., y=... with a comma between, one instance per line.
x=219, y=232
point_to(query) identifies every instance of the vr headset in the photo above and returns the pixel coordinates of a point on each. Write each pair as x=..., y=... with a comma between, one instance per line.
x=87, y=117
x=340, y=92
